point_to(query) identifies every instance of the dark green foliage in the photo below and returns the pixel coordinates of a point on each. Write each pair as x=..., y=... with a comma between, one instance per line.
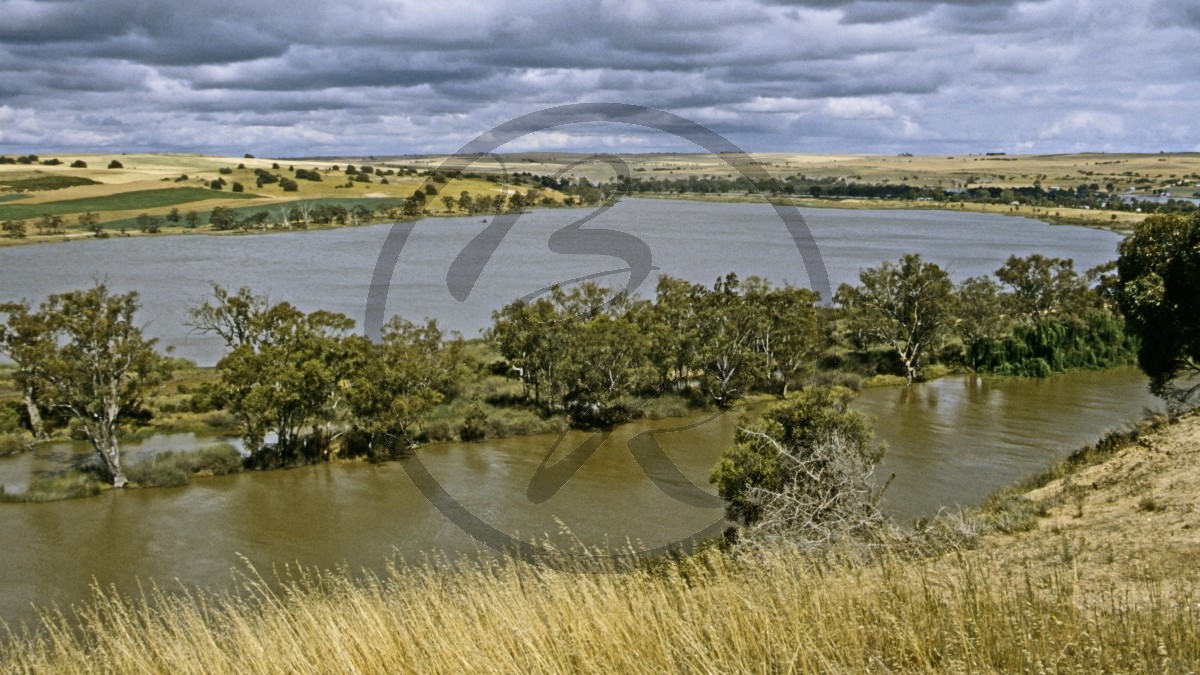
x=1054, y=345
x=149, y=224
x=238, y=187
x=79, y=164
x=13, y=229
x=306, y=174
x=223, y=218
x=115, y=164
x=288, y=185
x=1158, y=289
x=796, y=426
x=46, y=182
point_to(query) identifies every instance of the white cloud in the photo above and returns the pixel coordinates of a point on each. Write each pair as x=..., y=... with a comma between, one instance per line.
x=858, y=109
x=1085, y=125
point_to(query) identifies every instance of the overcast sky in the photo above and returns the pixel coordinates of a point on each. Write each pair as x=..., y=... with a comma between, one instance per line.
x=322, y=77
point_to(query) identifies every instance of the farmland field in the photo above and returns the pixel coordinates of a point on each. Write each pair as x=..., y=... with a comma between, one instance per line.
x=125, y=201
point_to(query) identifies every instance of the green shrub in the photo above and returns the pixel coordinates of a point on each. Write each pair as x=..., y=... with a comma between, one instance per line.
x=221, y=421
x=667, y=405
x=10, y=444
x=72, y=484
x=10, y=418
x=171, y=469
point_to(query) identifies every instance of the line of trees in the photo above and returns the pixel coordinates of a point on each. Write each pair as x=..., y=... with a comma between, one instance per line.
x=303, y=385
x=1036, y=317
x=595, y=355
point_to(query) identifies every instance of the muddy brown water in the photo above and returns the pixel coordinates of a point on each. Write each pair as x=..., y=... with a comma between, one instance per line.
x=952, y=441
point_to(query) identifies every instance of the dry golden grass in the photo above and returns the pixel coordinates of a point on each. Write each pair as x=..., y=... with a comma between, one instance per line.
x=712, y=613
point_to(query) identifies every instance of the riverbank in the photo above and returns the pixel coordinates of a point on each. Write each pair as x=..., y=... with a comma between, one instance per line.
x=1097, y=581
x=1116, y=221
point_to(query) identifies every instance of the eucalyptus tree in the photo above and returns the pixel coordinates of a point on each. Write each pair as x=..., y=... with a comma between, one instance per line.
x=86, y=358
x=907, y=306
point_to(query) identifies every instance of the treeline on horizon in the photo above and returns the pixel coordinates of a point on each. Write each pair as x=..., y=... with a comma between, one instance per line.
x=1089, y=195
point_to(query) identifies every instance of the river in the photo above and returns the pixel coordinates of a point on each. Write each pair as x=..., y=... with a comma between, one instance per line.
x=952, y=440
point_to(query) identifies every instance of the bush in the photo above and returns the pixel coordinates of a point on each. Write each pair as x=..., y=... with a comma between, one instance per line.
x=10, y=418
x=73, y=484
x=79, y=164
x=170, y=469
x=11, y=444
x=115, y=165
x=667, y=405
x=221, y=421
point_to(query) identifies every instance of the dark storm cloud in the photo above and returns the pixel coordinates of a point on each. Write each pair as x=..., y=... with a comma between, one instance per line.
x=318, y=77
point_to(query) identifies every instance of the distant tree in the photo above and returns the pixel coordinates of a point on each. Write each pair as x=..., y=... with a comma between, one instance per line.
x=907, y=306
x=90, y=221
x=449, y=202
x=223, y=218
x=725, y=336
x=13, y=229
x=466, y=203
x=173, y=215
x=192, y=219
x=115, y=165
x=785, y=334
x=149, y=224
x=290, y=382
x=1158, y=291
x=237, y=187
x=51, y=224
x=79, y=164
x=288, y=185
x=672, y=330
x=101, y=366
x=216, y=184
